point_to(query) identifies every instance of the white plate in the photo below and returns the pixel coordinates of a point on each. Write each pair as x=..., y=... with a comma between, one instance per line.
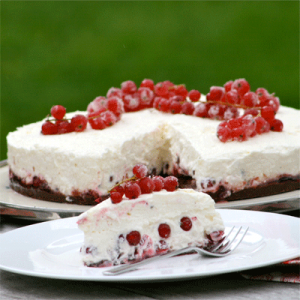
x=12, y=203
x=51, y=250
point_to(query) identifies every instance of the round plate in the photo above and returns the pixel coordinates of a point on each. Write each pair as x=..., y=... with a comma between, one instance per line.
x=52, y=250
x=14, y=204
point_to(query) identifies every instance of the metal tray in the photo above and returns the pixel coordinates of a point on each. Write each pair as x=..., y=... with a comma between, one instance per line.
x=19, y=206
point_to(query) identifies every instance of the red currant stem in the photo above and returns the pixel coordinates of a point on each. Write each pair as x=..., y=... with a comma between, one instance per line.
x=133, y=178
x=67, y=119
x=230, y=104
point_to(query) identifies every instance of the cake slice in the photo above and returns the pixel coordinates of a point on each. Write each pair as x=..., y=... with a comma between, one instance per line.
x=151, y=224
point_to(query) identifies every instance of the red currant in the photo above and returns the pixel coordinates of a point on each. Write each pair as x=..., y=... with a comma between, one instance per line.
x=114, y=92
x=146, y=95
x=181, y=90
x=156, y=102
x=164, y=105
x=223, y=133
x=187, y=108
x=131, y=102
x=201, y=110
x=148, y=83
x=241, y=85
x=170, y=183
x=268, y=113
x=276, y=125
x=228, y=85
x=216, y=93
x=232, y=97
x=108, y=118
x=79, y=123
x=186, y=223
x=140, y=170
x=115, y=105
x=194, y=95
x=175, y=107
x=96, y=121
x=250, y=99
x=128, y=87
x=132, y=190
x=261, y=125
x=58, y=112
x=133, y=238
x=64, y=127
x=161, y=89
x=164, y=230
x=251, y=111
x=116, y=197
x=98, y=104
x=147, y=185
x=158, y=183
x=49, y=128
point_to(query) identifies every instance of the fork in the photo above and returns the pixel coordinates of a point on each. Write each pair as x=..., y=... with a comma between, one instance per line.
x=224, y=247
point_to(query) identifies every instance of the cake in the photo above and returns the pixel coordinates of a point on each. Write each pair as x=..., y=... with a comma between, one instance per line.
x=151, y=224
x=83, y=165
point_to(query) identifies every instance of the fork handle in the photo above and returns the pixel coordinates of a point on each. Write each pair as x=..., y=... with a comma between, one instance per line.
x=130, y=267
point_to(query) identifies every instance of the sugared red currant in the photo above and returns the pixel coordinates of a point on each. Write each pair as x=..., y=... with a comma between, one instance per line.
x=187, y=108
x=64, y=126
x=170, y=183
x=128, y=87
x=148, y=83
x=241, y=85
x=158, y=183
x=140, y=170
x=96, y=121
x=216, y=93
x=147, y=185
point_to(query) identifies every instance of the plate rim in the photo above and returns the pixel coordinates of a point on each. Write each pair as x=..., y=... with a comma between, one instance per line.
x=139, y=278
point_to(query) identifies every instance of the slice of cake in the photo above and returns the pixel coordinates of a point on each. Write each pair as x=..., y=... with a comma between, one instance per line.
x=151, y=224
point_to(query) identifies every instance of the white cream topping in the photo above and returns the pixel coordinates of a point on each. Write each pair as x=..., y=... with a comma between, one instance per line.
x=96, y=159
x=104, y=223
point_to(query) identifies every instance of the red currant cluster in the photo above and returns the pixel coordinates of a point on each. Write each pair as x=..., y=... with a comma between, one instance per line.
x=62, y=125
x=104, y=112
x=222, y=103
x=140, y=183
x=259, y=107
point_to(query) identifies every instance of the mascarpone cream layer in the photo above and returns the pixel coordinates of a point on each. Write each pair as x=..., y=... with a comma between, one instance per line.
x=96, y=159
x=104, y=223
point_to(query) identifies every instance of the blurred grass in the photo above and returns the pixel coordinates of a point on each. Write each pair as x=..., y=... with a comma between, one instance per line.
x=62, y=52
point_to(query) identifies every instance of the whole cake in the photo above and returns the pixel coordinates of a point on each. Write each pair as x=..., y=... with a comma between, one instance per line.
x=227, y=144
x=151, y=224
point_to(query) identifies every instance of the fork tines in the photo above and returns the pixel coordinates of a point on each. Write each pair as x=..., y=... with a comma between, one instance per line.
x=232, y=239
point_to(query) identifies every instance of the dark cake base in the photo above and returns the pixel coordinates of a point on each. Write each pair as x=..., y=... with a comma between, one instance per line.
x=39, y=189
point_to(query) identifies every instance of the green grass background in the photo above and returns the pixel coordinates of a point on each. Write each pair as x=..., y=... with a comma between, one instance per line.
x=69, y=52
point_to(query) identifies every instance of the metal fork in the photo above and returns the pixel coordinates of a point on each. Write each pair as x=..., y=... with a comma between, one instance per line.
x=224, y=247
